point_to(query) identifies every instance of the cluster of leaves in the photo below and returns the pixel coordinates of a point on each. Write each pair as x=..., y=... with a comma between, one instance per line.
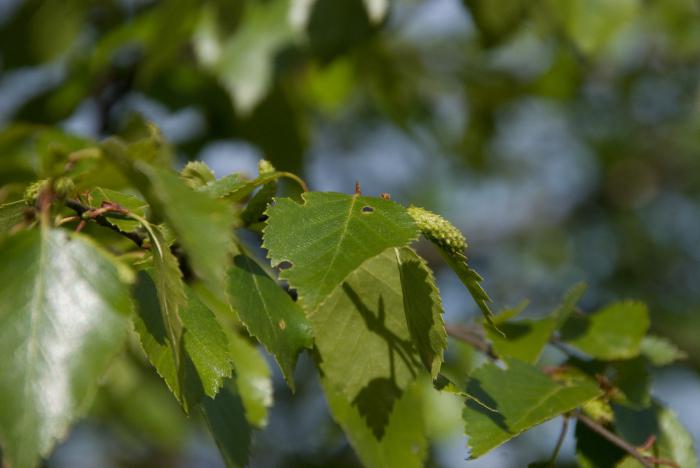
x=157, y=256
x=622, y=72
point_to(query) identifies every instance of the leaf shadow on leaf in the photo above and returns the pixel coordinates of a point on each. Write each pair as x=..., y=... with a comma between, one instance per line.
x=481, y=400
x=375, y=401
x=515, y=330
x=149, y=309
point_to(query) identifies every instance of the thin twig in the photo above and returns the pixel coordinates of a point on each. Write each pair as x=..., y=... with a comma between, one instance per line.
x=647, y=462
x=560, y=441
x=99, y=217
x=469, y=336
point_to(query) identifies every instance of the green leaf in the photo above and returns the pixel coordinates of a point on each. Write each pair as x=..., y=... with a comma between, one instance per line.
x=234, y=187
x=524, y=339
x=172, y=298
x=244, y=62
x=614, y=332
x=11, y=214
x=633, y=380
x=253, y=379
x=330, y=235
x=227, y=423
x=64, y=310
x=134, y=204
x=253, y=376
x=423, y=309
x=201, y=224
x=674, y=441
x=522, y=396
x=660, y=351
x=471, y=280
x=404, y=443
x=269, y=313
x=204, y=355
x=364, y=339
x=594, y=451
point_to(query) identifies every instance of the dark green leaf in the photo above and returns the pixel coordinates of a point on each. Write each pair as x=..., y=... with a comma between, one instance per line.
x=593, y=451
x=330, y=235
x=673, y=442
x=204, y=355
x=64, y=309
x=172, y=298
x=254, y=210
x=632, y=378
x=522, y=397
x=227, y=423
x=269, y=313
x=201, y=224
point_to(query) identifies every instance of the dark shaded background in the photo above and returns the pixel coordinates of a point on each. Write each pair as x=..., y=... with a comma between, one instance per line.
x=562, y=136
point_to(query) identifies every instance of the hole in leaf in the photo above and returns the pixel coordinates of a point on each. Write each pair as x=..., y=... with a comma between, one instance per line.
x=285, y=265
x=367, y=209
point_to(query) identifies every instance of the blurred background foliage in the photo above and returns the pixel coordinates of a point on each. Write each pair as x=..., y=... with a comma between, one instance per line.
x=563, y=137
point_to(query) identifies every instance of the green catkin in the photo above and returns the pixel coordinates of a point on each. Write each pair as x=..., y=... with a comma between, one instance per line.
x=439, y=230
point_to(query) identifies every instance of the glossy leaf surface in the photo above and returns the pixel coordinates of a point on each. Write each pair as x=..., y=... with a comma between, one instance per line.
x=64, y=309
